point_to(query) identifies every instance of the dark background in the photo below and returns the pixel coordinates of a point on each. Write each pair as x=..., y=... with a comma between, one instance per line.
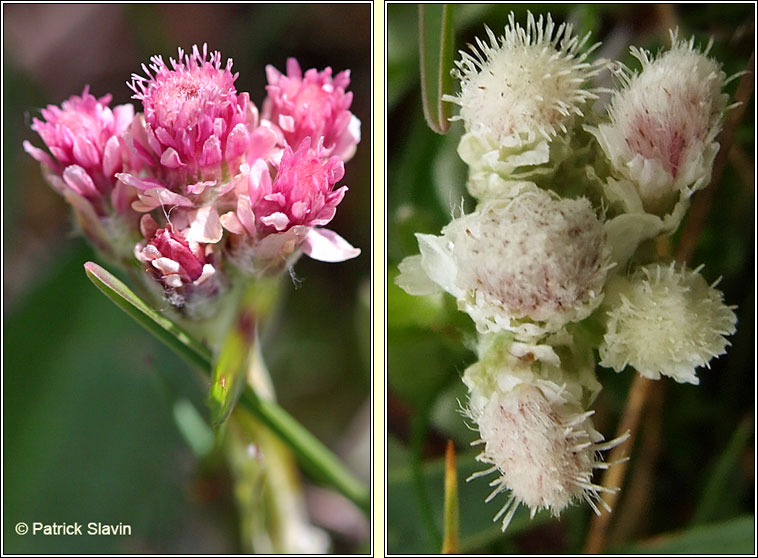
x=89, y=397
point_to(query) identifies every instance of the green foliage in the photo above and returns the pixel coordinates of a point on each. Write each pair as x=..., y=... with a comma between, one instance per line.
x=232, y=364
x=735, y=536
x=88, y=423
x=406, y=532
x=436, y=53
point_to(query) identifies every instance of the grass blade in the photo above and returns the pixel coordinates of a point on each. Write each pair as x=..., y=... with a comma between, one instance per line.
x=436, y=38
x=160, y=326
x=450, y=539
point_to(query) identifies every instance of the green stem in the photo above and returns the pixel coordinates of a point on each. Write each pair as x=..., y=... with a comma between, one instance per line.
x=312, y=454
x=268, y=489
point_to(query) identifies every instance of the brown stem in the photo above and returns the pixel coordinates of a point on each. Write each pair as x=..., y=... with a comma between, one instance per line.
x=614, y=476
x=745, y=168
x=632, y=515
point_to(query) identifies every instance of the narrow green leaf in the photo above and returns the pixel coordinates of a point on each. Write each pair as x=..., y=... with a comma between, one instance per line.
x=229, y=376
x=313, y=455
x=450, y=542
x=436, y=38
x=723, y=482
x=160, y=326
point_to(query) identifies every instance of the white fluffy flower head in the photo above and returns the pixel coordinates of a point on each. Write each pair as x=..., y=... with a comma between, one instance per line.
x=666, y=321
x=529, y=265
x=536, y=434
x=526, y=85
x=664, y=122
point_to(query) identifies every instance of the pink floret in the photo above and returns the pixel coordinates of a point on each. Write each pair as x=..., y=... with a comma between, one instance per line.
x=302, y=193
x=174, y=260
x=194, y=118
x=315, y=105
x=86, y=150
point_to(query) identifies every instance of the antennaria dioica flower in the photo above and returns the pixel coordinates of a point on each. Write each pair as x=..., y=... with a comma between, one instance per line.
x=207, y=204
x=554, y=264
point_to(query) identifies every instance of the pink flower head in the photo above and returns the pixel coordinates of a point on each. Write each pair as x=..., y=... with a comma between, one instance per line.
x=194, y=119
x=182, y=266
x=302, y=193
x=83, y=136
x=277, y=219
x=313, y=105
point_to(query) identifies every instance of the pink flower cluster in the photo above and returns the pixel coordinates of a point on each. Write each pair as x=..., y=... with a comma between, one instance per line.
x=200, y=179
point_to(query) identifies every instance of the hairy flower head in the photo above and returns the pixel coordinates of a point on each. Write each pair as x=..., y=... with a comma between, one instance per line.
x=525, y=86
x=529, y=265
x=665, y=320
x=664, y=123
x=537, y=435
x=313, y=105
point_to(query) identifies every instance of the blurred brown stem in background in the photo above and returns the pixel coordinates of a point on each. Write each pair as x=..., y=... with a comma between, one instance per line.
x=631, y=516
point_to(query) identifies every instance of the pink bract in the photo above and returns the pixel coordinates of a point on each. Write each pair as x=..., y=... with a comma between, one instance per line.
x=315, y=105
x=277, y=219
x=194, y=120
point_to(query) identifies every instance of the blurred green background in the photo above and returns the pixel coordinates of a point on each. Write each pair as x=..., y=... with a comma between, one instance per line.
x=89, y=398
x=691, y=481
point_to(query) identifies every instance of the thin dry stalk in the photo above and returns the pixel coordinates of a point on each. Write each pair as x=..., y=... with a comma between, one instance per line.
x=614, y=477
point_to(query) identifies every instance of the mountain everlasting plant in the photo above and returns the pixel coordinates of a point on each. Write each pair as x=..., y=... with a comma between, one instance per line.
x=205, y=202
x=200, y=168
x=555, y=263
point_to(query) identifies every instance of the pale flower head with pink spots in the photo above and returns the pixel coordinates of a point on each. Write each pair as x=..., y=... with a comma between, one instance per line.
x=663, y=124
